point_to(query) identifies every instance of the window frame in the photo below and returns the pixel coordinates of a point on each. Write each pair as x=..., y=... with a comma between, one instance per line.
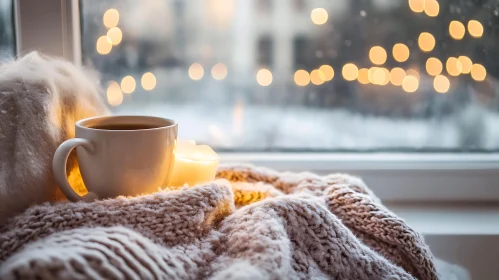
x=398, y=177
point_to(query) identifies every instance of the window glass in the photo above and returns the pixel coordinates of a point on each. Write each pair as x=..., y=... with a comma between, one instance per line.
x=274, y=75
x=7, y=41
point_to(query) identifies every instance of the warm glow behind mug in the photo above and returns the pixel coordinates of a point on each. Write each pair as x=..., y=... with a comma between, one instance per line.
x=119, y=155
x=194, y=164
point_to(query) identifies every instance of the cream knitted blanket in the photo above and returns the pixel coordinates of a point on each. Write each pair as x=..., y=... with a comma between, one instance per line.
x=253, y=223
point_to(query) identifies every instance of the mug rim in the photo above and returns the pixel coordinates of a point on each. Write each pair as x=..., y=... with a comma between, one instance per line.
x=171, y=123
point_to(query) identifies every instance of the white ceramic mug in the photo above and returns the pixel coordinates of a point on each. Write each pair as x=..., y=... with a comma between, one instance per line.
x=119, y=155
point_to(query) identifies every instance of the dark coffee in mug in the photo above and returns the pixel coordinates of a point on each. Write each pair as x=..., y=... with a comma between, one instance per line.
x=123, y=126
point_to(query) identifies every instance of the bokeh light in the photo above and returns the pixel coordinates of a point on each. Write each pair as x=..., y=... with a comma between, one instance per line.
x=478, y=72
x=456, y=30
x=416, y=6
x=219, y=71
x=317, y=77
x=441, y=84
x=328, y=72
x=111, y=18
x=363, y=77
x=387, y=76
x=466, y=64
x=400, y=52
x=381, y=76
x=431, y=8
x=196, y=71
x=148, y=81
x=302, y=78
x=319, y=16
x=264, y=77
x=350, y=72
x=397, y=76
x=410, y=84
x=115, y=35
x=434, y=66
x=475, y=28
x=370, y=73
x=104, y=45
x=114, y=94
x=377, y=55
x=128, y=84
x=453, y=66
x=426, y=42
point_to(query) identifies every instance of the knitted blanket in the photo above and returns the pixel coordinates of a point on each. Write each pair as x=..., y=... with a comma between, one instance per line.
x=252, y=223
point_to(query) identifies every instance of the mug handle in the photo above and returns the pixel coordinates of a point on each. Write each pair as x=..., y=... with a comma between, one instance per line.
x=59, y=168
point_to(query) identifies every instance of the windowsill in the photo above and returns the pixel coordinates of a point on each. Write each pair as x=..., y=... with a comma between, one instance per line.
x=450, y=219
x=329, y=162
x=397, y=177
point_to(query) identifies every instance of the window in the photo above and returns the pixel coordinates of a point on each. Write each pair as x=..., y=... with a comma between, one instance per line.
x=345, y=76
x=7, y=41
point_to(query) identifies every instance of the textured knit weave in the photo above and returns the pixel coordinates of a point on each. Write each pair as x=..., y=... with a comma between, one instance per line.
x=256, y=224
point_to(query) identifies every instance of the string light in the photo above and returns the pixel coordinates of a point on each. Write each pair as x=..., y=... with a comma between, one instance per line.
x=453, y=66
x=433, y=66
x=400, y=52
x=104, y=45
x=475, y=28
x=111, y=18
x=196, y=71
x=410, y=84
x=426, y=42
x=302, y=78
x=416, y=6
x=264, y=77
x=397, y=76
x=363, y=77
x=478, y=72
x=441, y=84
x=431, y=8
x=219, y=71
x=317, y=77
x=148, y=81
x=370, y=74
x=456, y=30
x=466, y=64
x=381, y=76
x=377, y=55
x=350, y=71
x=319, y=16
x=114, y=94
x=328, y=72
x=387, y=76
x=128, y=84
x=115, y=35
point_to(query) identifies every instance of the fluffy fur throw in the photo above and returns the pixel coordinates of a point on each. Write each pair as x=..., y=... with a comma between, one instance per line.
x=255, y=224
x=41, y=98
